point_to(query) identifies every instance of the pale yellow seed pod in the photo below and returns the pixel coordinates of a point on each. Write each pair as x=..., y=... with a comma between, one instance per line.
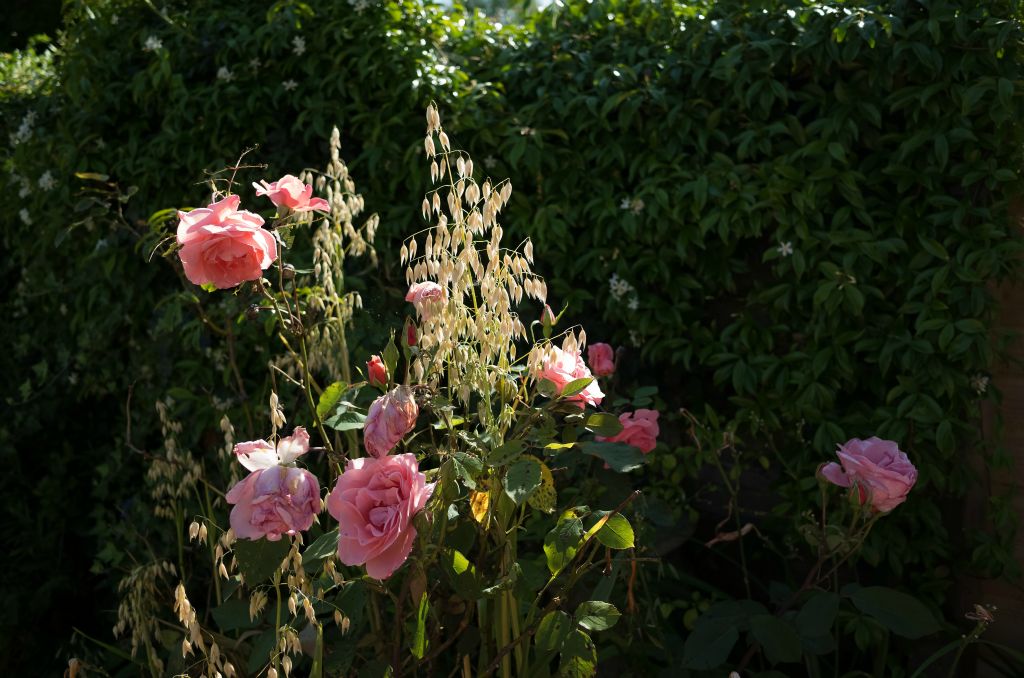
x=186, y=648
x=193, y=531
x=271, y=672
x=443, y=138
x=428, y=145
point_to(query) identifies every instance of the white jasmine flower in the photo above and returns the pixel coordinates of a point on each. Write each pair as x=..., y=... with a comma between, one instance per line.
x=254, y=63
x=289, y=85
x=785, y=248
x=633, y=304
x=46, y=181
x=619, y=287
x=224, y=73
x=527, y=131
x=979, y=383
x=26, y=218
x=634, y=338
x=114, y=19
x=298, y=45
x=490, y=162
x=637, y=205
x=25, y=190
x=624, y=205
x=153, y=44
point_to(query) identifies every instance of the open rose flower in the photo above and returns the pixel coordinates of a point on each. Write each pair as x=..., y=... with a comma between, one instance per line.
x=289, y=192
x=276, y=498
x=376, y=372
x=391, y=416
x=563, y=367
x=879, y=469
x=639, y=429
x=425, y=296
x=224, y=246
x=374, y=503
x=602, y=359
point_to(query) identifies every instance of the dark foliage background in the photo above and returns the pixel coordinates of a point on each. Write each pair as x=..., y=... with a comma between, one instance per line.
x=809, y=203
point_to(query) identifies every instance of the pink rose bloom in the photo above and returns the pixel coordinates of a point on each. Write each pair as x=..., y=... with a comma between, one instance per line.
x=566, y=367
x=425, y=296
x=223, y=245
x=376, y=372
x=374, y=503
x=639, y=429
x=878, y=468
x=602, y=359
x=391, y=416
x=290, y=192
x=274, y=499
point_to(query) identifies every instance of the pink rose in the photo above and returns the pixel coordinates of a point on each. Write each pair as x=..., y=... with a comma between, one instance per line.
x=566, y=366
x=290, y=192
x=425, y=296
x=391, y=416
x=880, y=471
x=374, y=503
x=639, y=429
x=602, y=359
x=274, y=499
x=223, y=245
x=376, y=372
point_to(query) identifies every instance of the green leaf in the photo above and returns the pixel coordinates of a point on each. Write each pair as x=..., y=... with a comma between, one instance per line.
x=552, y=631
x=505, y=453
x=560, y=543
x=619, y=456
x=419, y=637
x=902, y=614
x=233, y=615
x=604, y=424
x=777, y=637
x=709, y=645
x=617, y=533
x=329, y=399
x=579, y=657
x=390, y=356
x=461, y=573
x=259, y=559
x=522, y=478
x=324, y=546
x=595, y=615
x=544, y=498
x=818, y=614
x=575, y=387
x=346, y=421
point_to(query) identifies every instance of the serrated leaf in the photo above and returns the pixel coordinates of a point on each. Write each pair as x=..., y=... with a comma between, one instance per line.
x=522, y=478
x=544, y=498
x=616, y=533
x=596, y=615
x=575, y=387
x=259, y=559
x=324, y=546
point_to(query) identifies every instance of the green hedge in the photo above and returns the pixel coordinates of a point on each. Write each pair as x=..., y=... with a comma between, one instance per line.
x=808, y=204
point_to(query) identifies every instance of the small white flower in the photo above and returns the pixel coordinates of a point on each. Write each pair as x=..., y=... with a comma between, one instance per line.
x=785, y=248
x=254, y=63
x=633, y=304
x=619, y=287
x=153, y=44
x=359, y=5
x=637, y=205
x=224, y=73
x=289, y=85
x=46, y=181
x=527, y=131
x=634, y=338
x=298, y=45
x=63, y=309
x=72, y=378
x=114, y=19
x=25, y=190
x=490, y=162
x=624, y=205
x=979, y=383
x=26, y=218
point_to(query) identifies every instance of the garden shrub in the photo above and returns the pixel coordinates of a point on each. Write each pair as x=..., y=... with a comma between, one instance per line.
x=792, y=213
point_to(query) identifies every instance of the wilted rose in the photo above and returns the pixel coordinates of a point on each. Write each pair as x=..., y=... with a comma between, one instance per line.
x=291, y=193
x=274, y=499
x=878, y=468
x=224, y=246
x=602, y=359
x=391, y=416
x=374, y=502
